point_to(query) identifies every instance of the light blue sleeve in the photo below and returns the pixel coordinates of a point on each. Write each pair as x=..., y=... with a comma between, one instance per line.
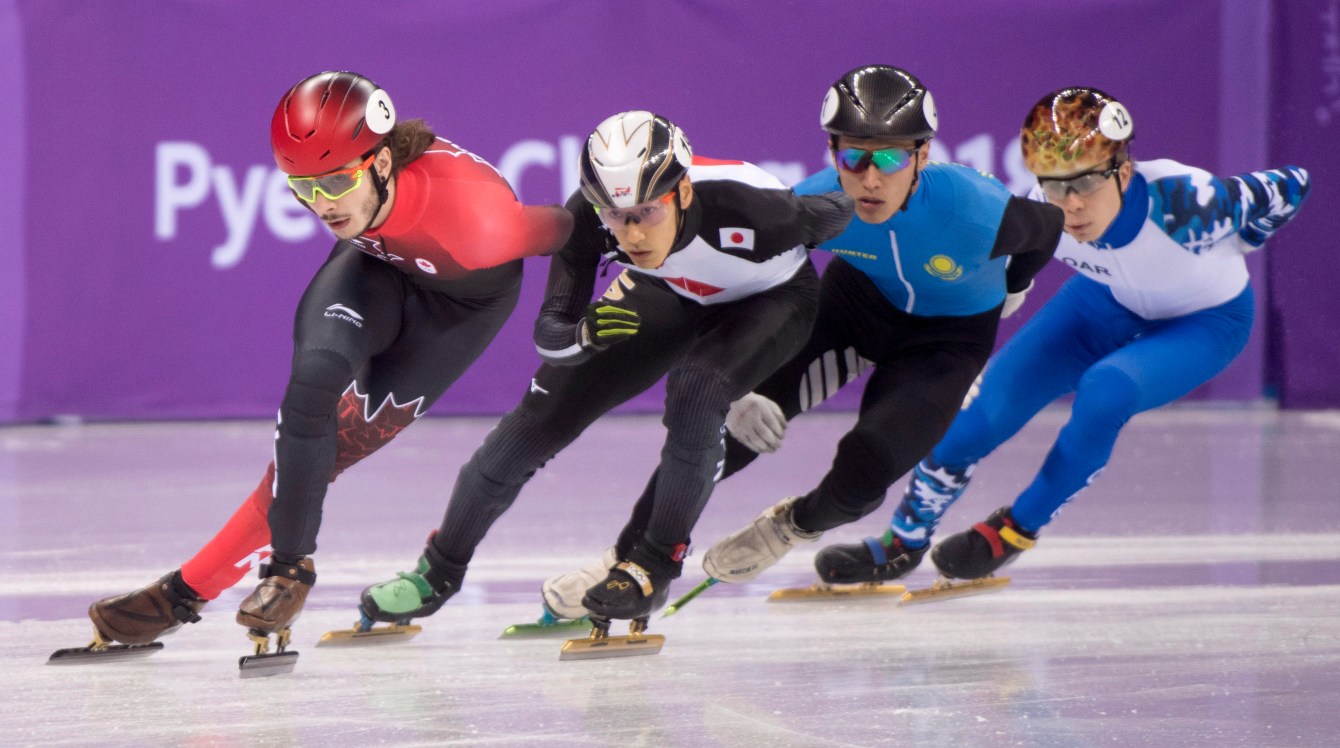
x=819, y=182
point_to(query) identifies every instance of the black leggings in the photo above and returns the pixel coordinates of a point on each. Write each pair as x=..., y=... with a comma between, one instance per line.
x=923, y=367
x=710, y=356
x=373, y=350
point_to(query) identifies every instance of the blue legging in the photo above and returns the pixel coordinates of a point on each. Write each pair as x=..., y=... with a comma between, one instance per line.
x=1117, y=364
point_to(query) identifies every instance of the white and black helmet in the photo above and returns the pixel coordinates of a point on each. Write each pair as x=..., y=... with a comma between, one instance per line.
x=879, y=101
x=631, y=158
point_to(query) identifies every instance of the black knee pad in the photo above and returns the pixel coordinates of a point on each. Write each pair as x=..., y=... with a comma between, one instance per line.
x=318, y=379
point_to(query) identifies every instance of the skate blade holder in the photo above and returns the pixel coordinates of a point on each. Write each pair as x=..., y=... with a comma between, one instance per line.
x=600, y=645
x=358, y=636
x=102, y=650
x=822, y=591
x=944, y=589
x=266, y=663
x=546, y=626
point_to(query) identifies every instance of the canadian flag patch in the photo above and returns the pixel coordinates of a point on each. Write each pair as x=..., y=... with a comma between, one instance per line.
x=733, y=238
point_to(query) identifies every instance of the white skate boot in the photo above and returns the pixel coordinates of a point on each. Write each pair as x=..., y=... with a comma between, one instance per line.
x=563, y=593
x=744, y=554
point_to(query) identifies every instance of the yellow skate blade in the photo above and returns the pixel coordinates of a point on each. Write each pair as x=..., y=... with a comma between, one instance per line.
x=821, y=591
x=109, y=653
x=352, y=637
x=540, y=629
x=945, y=589
x=263, y=665
x=612, y=646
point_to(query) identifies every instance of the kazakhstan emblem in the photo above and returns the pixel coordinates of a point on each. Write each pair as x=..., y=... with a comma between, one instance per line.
x=943, y=267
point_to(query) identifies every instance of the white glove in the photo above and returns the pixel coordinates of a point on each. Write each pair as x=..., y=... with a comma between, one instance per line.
x=1013, y=301
x=757, y=422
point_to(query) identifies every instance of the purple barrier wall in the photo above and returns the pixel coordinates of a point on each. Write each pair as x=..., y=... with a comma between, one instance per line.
x=162, y=257
x=1305, y=116
x=12, y=252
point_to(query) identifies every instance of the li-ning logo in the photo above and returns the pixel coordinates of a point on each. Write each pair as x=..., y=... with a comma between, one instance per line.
x=340, y=311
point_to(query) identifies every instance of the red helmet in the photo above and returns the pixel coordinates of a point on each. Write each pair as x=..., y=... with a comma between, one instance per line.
x=328, y=120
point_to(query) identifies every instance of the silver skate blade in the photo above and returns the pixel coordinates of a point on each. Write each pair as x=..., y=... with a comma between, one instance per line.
x=821, y=591
x=612, y=646
x=541, y=628
x=944, y=589
x=263, y=665
x=110, y=653
x=353, y=637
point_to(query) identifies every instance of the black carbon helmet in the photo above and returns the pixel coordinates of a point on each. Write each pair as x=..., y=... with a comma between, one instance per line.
x=879, y=101
x=631, y=158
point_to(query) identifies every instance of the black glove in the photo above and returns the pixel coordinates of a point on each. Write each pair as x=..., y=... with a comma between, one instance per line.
x=607, y=323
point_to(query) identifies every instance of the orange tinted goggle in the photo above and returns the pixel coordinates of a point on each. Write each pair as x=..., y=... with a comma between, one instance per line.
x=334, y=184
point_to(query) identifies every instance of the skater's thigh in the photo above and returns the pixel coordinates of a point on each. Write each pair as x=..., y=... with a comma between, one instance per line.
x=1047, y=356
x=352, y=306
x=1174, y=357
x=747, y=340
x=441, y=337
x=831, y=356
x=567, y=399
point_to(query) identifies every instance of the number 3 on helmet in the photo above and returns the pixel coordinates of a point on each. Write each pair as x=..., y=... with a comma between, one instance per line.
x=328, y=120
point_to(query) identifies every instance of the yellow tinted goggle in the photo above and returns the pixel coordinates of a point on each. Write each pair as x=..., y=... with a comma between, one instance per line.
x=334, y=184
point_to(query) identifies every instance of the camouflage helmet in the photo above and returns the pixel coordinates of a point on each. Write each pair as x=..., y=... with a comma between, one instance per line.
x=1073, y=130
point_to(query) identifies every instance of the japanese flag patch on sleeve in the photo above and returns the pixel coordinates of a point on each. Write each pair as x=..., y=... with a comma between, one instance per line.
x=734, y=238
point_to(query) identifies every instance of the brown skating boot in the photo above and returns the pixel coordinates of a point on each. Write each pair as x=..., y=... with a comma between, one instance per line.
x=152, y=611
x=278, y=599
x=271, y=609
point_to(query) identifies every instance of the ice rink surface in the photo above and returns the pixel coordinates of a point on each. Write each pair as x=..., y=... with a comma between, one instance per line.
x=1191, y=597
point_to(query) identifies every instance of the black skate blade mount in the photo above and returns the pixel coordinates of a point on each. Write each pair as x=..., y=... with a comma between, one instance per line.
x=357, y=636
x=600, y=645
x=105, y=653
x=945, y=588
x=821, y=591
x=263, y=665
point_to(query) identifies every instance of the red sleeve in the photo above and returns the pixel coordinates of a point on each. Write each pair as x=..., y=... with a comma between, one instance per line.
x=492, y=227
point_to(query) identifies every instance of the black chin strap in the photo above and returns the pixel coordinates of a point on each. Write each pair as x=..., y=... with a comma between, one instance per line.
x=1121, y=193
x=382, y=194
x=679, y=219
x=916, y=176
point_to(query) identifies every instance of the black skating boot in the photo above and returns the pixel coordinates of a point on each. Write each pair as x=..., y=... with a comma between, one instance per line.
x=872, y=560
x=639, y=585
x=628, y=592
x=979, y=552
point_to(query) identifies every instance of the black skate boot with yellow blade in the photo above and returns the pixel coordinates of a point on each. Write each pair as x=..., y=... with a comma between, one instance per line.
x=979, y=552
